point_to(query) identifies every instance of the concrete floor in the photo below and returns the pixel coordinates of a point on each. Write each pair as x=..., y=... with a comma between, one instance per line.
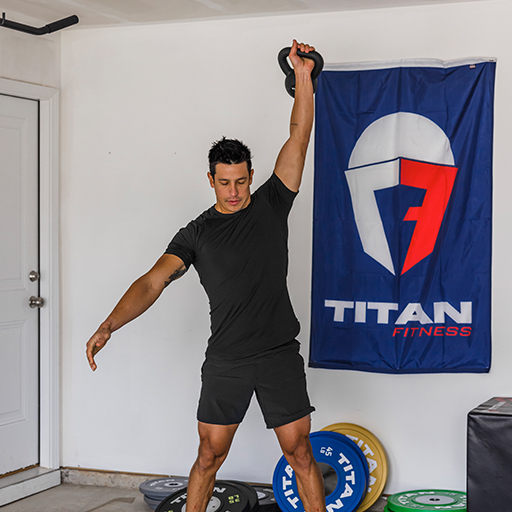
x=88, y=498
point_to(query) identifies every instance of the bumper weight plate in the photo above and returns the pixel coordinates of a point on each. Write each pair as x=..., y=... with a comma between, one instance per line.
x=250, y=493
x=160, y=488
x=226, y=497
x=434, y=500
x=347, y=471
x=266, y=499
x=151, y=502
x=375, y=455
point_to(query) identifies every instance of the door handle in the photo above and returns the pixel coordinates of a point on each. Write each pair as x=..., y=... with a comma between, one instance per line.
x=34, y=276
x=36, y=302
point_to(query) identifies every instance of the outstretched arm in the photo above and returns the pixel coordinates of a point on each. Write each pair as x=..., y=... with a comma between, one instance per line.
x=139, y=297
x=290, y=162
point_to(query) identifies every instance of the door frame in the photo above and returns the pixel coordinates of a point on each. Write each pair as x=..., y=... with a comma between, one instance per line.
x=49, y=332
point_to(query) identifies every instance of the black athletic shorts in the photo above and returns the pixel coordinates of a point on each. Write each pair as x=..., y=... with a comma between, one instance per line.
x=277, y=378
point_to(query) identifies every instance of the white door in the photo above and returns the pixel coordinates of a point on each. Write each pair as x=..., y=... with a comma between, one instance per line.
x=19, y=255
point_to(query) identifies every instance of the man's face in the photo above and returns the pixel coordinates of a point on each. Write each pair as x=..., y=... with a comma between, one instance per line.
x=231, y=186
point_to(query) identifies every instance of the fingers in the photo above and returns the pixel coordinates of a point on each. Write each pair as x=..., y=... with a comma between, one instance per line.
x=302, y=47
x=94, y=345
x=301, y=64
x=293, y=49
x=90, y=357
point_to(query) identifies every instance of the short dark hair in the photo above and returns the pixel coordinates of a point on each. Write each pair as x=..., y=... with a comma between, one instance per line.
x=230, y=152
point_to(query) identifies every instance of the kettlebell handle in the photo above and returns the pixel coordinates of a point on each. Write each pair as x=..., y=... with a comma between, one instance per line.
x=290, y=73
x=314, y=56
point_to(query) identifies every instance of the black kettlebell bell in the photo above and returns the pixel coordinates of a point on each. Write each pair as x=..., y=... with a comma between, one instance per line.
x=289, y=82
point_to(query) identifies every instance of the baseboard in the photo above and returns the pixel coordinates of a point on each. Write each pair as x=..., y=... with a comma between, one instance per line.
x=105, y=478
x=81, y=476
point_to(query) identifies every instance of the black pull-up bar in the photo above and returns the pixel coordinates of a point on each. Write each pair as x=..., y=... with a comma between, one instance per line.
x=47, y=29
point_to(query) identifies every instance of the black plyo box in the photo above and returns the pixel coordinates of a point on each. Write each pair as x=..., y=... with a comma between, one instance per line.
x=489, y=457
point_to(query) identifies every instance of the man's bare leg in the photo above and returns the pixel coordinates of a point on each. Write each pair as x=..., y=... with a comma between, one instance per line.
x=214, y=444
x=294, y=441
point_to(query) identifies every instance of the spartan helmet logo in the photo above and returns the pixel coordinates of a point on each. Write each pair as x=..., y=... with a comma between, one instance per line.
x=401, y=149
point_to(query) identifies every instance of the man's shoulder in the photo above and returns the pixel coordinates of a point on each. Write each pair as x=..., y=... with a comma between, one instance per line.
x=187, y=239
x=203, y=217
x=274, y=182
x=274, y=190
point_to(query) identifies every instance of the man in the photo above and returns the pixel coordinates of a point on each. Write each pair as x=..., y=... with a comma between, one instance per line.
x=239, y=249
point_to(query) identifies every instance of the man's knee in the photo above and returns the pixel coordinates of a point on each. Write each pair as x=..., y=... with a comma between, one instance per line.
x=300, y=454
x=214, y=444
x=208, y=461
x=294, y=440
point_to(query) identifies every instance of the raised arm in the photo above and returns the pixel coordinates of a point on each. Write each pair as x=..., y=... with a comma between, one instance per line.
x=290, y=162
x=139, y=297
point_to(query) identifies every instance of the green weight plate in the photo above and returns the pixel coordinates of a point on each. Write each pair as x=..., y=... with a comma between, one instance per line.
x=434, y=500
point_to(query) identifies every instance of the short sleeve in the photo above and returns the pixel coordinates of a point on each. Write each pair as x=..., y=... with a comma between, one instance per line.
x=183, y=245
x=277, y=194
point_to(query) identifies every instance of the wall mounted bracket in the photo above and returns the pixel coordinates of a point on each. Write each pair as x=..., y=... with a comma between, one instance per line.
x=47, y=29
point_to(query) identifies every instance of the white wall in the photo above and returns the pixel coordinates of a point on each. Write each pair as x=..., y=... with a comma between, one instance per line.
x=140, y=107
x=27, y=58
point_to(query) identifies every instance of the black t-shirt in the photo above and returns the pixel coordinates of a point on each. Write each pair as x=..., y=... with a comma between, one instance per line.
x=242, y=262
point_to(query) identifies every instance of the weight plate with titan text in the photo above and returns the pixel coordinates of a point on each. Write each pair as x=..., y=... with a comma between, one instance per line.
x=343, y=466
x=438, y=500
x=266, y=499
x=160, y=488
x=226, y=497
x=375, y=456
x=250, y=493
x=360, y=454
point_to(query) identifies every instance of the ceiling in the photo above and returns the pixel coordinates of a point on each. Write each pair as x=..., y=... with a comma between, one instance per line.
x=97, y=13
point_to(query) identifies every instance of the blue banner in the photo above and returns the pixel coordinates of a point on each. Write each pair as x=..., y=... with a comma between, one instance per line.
x=402, y=218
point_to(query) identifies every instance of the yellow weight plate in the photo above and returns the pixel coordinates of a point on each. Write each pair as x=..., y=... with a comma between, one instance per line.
x=375, y=455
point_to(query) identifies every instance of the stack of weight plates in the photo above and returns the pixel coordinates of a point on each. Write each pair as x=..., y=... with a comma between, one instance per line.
x=375, y=456
x=433, y=500
x=228, y=495
x=344, y=468
x=158, y=489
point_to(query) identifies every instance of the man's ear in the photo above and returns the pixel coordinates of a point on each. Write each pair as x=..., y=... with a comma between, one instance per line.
x=251, y=174
x=211, y=179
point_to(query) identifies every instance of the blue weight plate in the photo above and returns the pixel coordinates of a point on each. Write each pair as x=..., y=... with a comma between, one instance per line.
x=365, y=478
x=345, y=473
x=360, y=454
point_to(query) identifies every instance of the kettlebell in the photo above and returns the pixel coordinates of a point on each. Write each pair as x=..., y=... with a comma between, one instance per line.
x=289, y=82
